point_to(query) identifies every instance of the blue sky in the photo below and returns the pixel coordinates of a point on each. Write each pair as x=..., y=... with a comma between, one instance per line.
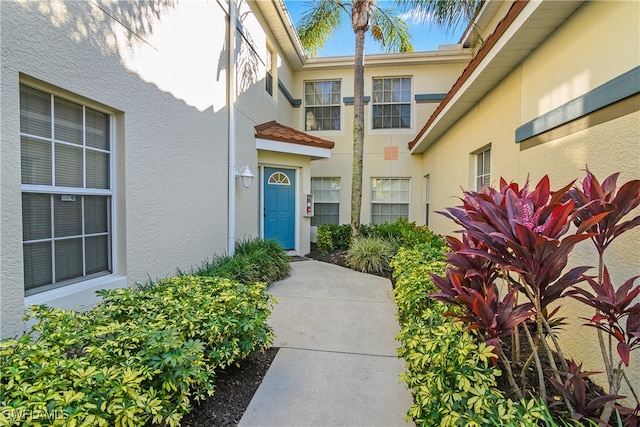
x=425, y=36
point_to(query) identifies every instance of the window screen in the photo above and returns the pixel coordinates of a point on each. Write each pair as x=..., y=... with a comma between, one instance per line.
x=66, y=190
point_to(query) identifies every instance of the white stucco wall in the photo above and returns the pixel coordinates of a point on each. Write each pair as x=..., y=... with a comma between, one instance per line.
x=159, y=69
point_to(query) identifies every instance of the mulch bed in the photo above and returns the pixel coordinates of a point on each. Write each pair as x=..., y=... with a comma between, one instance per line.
x=532, y=385
x=235, y=387
x=337, y=258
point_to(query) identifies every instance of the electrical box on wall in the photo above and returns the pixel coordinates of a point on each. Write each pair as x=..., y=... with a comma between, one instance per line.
x=308, y=205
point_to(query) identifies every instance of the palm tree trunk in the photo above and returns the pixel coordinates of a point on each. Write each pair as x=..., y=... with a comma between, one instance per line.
x=358, y=131
x=360, y=18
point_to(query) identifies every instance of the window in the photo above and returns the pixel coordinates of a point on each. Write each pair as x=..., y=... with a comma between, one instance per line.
x=389, y=199
x=66, y=190
x=392, y=103
x=483, y=168
x=427, y=194
x=269, y=81
x=326, y=196
x=322, y=105
x=279, y=178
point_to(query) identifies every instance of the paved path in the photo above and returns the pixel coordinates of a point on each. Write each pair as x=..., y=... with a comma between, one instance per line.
x=337, y=363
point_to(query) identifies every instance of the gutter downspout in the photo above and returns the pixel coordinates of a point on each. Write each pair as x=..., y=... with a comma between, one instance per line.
x=231, y=91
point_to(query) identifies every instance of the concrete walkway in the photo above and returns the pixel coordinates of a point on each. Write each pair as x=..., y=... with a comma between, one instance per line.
x=337, y=363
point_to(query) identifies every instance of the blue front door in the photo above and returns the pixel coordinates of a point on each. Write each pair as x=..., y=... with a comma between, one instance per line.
x=280, y=206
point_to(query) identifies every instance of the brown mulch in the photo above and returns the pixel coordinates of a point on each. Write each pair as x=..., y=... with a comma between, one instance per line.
x=235, y=387
x=337, y=258
x=531, y=382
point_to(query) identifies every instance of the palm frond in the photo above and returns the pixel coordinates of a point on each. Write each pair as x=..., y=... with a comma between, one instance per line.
x=321, y=18
x=444, y=13
x=391, y=30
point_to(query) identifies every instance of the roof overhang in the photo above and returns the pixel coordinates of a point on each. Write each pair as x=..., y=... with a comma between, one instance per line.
x=289, y=148
x=273, y=136
x=279, y=22
x=523, y=29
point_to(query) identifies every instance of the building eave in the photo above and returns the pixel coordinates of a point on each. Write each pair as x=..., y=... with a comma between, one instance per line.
x=522, y=30
x=446, y=54
x=313, y=153
x=279, y=21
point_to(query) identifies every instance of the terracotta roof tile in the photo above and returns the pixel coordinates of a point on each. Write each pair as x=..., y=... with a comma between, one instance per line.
x=276, y=132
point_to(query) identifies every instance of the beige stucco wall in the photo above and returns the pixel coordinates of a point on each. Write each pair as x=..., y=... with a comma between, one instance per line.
x=161, y=70
x=425, y=79
x=599, y=42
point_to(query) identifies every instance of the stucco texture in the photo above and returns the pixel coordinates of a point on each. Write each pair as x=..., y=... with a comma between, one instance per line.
x=171, y=139
x=570, y=63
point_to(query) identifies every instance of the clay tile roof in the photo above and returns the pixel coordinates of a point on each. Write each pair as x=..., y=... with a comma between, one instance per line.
x=276, y=132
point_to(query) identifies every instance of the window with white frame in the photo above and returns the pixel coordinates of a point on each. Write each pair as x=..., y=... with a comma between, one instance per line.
x=326, y=201
x=483, y=168
x=269, y=77
x=389, y=199
x=66, y=160
x=392, y=103
x=322, y=105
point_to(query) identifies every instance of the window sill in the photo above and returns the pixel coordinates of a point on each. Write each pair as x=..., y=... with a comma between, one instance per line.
x=77, y=296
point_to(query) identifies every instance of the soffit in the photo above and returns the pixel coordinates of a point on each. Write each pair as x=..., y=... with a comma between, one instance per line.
x=280, y=24
x=527, y=31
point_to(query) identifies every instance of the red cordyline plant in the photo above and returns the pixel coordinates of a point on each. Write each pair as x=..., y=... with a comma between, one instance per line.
x=523, y=231
x=470, y=283
x=527, y=233
x=612, y=205
x=574, y=388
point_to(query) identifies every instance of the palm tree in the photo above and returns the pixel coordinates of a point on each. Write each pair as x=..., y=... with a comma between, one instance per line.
x=324, y=16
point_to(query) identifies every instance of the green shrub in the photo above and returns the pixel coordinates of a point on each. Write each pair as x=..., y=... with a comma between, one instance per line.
x=452, y=376
x=448, y=370
x=370, y=254
x=411, y=269
x=404, y=233
x=324, y=241
x=141, y=356
x=332, y=237
x=254, y=260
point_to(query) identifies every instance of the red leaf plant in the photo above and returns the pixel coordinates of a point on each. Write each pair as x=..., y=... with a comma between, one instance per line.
x=609, y=204
x=483, y=310
x=594, y=200
x=630, y=417
x=613, y=307
x=522, y=231
x=574, y=389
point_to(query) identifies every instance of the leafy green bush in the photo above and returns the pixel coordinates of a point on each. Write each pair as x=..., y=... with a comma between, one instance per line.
x=141, y=356
x=333, y=237
x=450, y=373
x=452, y=376
x=370, y=254
x=404, y=233
x=324, y=241
x=411, y=269
x=254, y=260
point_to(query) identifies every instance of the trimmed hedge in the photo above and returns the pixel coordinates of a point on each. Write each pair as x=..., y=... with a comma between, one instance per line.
x=449, y=372
x=141, y=356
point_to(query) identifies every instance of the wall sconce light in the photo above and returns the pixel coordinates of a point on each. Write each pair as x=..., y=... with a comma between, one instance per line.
x=245, y=175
